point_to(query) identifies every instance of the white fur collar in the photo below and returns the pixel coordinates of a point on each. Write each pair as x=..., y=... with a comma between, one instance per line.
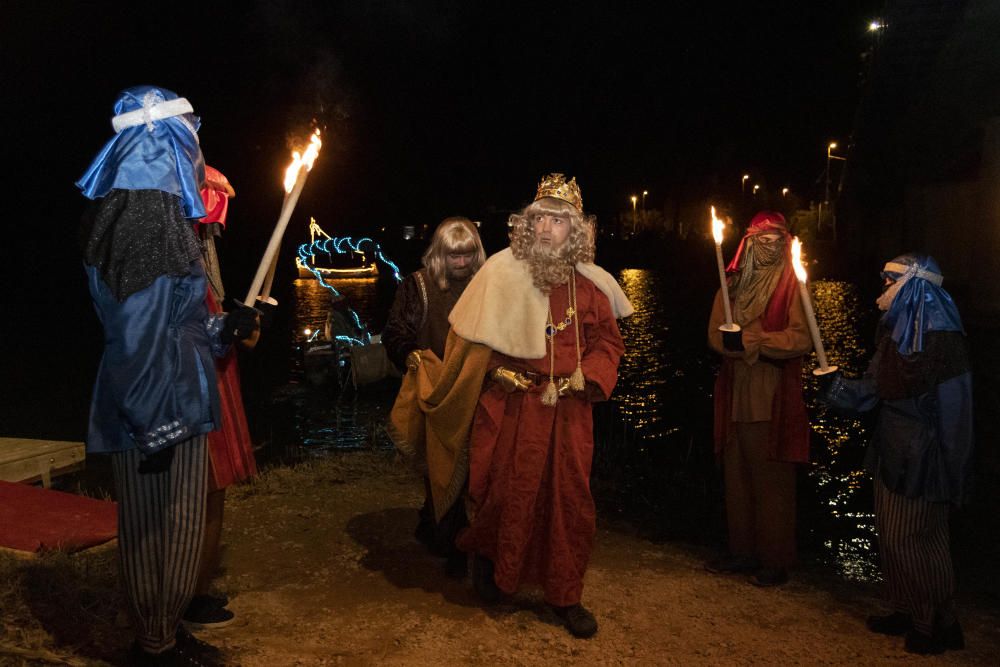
x=503, y=310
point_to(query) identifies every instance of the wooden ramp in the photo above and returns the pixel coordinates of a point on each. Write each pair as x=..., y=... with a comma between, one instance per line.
x=33, y=519
x=27, y=460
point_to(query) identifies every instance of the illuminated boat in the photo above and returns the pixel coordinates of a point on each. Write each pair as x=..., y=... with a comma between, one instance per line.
x=332, y=257
x=310, y=270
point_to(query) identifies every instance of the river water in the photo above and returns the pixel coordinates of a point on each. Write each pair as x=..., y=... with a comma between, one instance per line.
x=653, y=464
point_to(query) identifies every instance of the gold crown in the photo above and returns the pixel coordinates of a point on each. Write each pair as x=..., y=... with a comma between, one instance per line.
x=556, y=185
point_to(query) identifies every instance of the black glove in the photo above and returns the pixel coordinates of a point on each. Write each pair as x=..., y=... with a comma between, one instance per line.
x=733, y=340
x=240, y=324
x=158, y=462
x=266, y=310
x=826, y=381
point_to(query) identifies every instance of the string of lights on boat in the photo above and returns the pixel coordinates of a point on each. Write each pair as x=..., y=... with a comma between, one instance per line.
x=342, y=245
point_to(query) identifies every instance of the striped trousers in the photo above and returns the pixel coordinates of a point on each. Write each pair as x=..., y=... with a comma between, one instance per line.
x=161, y=520
x=916, y=557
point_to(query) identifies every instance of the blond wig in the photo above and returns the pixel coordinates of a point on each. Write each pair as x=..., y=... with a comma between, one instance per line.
x=454, y=235
x=551, y=268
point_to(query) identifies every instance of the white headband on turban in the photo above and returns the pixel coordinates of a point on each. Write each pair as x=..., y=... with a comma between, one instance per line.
x=154, y=107
x=915, y=271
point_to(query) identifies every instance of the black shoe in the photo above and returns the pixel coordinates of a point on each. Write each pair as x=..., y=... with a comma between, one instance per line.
x=425, y=531
x=578, y=620
x=205, y=613
x=457, y=565
x=770, y=576
x=139, y=658
x=190, y=645
x=732, y=564
x=220, y=600
x=951, y=637
x=186, y=655
x=482, y=580
x=921, y=644
x=896, y=624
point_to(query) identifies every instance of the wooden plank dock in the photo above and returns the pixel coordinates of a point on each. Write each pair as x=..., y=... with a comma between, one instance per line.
x=28, y=460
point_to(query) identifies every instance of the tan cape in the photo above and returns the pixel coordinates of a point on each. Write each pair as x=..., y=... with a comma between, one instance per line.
x=433, y=412
x=500, y=310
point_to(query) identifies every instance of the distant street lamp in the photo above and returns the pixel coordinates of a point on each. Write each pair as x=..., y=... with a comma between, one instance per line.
x=755, y=189
x=784, y=192
x=826, y=188
x=634, y=200
x=876, y=25
x=644, y=193
x=743, y=184
x=829, y=156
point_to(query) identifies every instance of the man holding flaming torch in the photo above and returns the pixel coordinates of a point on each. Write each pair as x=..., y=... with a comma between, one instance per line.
x=920, y=454
x=155, y=397
x=761, y=426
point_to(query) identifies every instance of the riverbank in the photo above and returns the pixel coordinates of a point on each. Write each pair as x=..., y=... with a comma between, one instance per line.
x=322, y=568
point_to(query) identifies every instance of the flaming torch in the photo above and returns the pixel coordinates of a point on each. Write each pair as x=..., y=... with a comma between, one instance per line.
x=807, y=306
x=295, y=180
x=717, y=227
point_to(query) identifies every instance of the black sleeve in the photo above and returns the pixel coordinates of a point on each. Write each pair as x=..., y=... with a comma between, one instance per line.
x=400, y=334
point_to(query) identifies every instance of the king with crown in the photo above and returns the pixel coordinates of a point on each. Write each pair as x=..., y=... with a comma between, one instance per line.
x=534, y=342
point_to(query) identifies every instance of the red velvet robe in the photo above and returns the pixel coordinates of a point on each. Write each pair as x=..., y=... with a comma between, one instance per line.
x=529, y=466
x=230, y=451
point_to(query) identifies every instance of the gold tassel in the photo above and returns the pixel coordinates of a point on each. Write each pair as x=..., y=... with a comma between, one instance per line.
x=576, y=380
x=551, y=395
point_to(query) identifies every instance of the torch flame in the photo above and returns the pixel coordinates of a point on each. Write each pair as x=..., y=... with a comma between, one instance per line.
x=299, y=161
x=800, y=271
x=717, y=226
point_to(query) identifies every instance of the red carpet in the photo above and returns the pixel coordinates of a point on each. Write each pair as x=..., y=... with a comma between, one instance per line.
x=36, y=519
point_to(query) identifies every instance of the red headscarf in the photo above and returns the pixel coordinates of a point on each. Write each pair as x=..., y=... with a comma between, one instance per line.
x=775, y=317
x=216, y=193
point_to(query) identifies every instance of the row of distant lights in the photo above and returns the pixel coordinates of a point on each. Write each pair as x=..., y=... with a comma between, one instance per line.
x=874, y=26
x=785, y=191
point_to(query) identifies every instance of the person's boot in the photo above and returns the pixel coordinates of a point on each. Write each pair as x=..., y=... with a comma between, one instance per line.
x=951, y=637
x=578, y=620
x=457, y=564
x=192, y=650
x=768, y=577
x=922, y=644
x=424, y=532
x=206, y=612
x=482, y=580
x=896, y=624
x=730, y=564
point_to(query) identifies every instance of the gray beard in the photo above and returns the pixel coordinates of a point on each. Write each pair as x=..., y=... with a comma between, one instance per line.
x=549, y=266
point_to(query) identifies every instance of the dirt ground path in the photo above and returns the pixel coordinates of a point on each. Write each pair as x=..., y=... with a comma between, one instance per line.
x=322, y=568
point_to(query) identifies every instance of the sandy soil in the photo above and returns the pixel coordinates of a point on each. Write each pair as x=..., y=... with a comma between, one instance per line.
x=322, y=569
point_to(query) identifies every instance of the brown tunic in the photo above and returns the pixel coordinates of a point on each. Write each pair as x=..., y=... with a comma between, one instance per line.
x=755, y=374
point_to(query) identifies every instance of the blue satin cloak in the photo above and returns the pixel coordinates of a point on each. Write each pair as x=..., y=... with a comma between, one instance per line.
x=155, y=384
x=922, y=446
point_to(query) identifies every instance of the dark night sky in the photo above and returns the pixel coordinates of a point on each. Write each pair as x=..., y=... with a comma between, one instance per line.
x=440, y=107
x=430, y=108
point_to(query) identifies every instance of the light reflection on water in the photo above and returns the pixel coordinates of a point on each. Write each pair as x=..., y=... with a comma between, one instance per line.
x=326, y=419
x=846, y=529
x=660, y=413
x=665, y=386
x=312, y=301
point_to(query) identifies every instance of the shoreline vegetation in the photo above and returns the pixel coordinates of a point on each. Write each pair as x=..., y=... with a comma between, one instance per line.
x=322, y=568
